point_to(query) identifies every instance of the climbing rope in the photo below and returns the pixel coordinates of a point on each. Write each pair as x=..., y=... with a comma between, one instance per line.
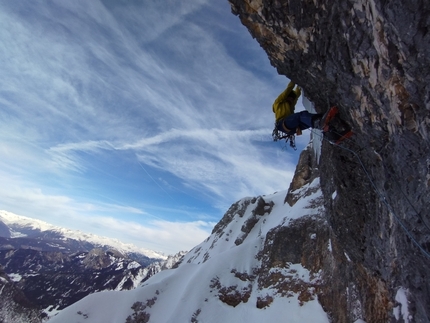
x=381, y=196
x=395, y=180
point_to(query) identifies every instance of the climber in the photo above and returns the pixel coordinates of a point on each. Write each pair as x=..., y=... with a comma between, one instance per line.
x=287, y=121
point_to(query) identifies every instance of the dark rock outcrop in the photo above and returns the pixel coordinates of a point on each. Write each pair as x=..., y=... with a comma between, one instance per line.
x=14, y=305
x=56, y=279
x=304, y=174
x=372, y=60
x=4, y=230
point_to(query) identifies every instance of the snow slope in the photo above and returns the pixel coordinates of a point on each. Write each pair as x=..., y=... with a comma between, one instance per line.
x=218, y=280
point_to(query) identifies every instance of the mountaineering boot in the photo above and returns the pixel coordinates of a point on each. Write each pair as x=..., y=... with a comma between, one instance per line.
x=328, y=116
x=334, y=128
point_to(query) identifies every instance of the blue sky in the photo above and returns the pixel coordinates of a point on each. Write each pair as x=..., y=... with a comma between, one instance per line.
x=138, y=120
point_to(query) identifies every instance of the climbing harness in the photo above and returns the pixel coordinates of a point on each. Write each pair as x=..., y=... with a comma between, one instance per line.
x=276, y=135
x=380, y=195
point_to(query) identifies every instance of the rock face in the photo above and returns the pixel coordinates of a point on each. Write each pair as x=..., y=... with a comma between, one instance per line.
x=372, y=60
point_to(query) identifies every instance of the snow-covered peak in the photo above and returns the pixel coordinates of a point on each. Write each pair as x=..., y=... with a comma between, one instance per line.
x=20, y=224
x=10, y=218
x=249, y=221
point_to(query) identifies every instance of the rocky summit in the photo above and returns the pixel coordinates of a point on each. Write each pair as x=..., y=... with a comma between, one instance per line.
x=371, y=59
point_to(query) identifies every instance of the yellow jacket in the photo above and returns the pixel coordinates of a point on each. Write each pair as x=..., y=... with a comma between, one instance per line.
x=281, y=107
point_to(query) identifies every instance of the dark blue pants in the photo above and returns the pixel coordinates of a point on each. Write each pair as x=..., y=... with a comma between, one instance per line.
x=302, y=120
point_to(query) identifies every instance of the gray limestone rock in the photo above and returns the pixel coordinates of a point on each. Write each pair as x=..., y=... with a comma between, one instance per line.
x=372, y=60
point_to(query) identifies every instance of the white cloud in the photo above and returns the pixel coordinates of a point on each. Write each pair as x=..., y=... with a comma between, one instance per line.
x=150, y=232
x=35, y=201
x=166, y=236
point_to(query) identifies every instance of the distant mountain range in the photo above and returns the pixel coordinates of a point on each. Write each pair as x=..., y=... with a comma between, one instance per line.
x=16, y=226
x=44, y=268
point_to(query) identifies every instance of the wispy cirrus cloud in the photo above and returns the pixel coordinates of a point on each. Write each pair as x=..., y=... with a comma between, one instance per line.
x=222, y=161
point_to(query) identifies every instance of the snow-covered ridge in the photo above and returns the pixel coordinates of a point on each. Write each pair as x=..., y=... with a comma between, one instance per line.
x=15, y=222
